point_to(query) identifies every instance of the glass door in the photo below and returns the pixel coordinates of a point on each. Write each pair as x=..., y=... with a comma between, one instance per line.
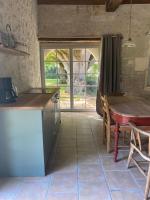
x=85, y=77
x=57, y=73
x=75, y=71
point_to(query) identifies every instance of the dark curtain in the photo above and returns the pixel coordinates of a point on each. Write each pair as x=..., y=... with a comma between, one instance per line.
x=109, y=78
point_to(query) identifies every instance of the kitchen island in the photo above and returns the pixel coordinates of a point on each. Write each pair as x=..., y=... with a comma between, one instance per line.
x=28, y=131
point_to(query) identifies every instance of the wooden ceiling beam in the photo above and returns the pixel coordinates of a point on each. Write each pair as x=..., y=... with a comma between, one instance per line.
x=72, y=2
x=136, y=1
x=90, y=2
x=112, y=5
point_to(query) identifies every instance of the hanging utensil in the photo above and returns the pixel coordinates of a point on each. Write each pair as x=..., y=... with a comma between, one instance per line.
x=11, y=39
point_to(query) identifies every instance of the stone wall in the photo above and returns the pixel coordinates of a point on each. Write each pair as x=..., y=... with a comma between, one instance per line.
x=92, y=21
x=22, y=16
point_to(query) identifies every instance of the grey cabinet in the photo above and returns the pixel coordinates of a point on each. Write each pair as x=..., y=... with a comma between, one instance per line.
x=57, y=114
x=27, y=137
x=48, y=130
x=51, y=122
x=21, y=143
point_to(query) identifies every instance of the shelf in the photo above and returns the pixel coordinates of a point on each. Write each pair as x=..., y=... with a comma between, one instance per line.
x=13, y=51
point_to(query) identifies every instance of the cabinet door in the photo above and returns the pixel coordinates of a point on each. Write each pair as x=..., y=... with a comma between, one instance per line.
x=57, y=111
x=48, y=129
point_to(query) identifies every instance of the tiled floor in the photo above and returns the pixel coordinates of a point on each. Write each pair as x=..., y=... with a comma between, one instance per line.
x=80, y=169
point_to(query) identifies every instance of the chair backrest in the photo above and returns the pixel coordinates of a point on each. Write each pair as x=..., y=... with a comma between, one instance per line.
x=105, y=108
x=137, y=137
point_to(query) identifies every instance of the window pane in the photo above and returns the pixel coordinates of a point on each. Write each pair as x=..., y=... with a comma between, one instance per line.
x=64, y=103
x=63, y=55
x=50, y=73
x=79, y=91
x=91, y=102
x=50, y=55
x=79, y=103
x=63, y=73
x=65, y=92
x=78, y=67
x=79, y=80
x=92, y=67
x=78, y=54
x=91, y=97
x=63, y=67
x=91, y=79
x=91, y=91
x=92, y=54
x=50, y=68
x=51, y=82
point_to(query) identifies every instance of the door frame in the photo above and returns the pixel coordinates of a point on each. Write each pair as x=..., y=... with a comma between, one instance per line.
x=70, y=46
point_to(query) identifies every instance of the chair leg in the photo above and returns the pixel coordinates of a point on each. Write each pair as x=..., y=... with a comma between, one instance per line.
x=108, y=139
x=130, y=156
x=116, y=142
x=147, y=184
x=104, y=133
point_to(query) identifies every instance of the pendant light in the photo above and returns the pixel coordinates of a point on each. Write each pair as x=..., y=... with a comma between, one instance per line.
x=129, y=42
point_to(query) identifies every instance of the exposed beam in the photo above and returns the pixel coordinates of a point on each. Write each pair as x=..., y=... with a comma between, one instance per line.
x=112, y=5
x=89, y=2
x=136, y=1
x=72, y=2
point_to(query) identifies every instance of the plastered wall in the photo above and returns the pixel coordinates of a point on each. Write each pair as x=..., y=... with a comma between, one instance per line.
x=92, y=21
x=22, y=16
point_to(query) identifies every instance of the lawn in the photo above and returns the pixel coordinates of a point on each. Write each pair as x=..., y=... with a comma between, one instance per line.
x=51, y=82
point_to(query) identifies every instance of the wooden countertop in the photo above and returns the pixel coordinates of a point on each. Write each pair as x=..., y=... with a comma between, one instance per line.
x=28, y=101
x=130, y=106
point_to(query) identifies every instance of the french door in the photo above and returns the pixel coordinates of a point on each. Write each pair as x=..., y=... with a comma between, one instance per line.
x=75, y=70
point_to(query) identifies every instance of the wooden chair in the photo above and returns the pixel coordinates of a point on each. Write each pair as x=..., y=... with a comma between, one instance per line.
x=140, y=144
x=109, y=125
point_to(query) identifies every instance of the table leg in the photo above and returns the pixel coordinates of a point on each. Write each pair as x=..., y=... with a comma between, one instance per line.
x=116, y=134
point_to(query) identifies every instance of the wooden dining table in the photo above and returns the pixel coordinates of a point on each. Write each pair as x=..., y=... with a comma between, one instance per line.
x=125, y=109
